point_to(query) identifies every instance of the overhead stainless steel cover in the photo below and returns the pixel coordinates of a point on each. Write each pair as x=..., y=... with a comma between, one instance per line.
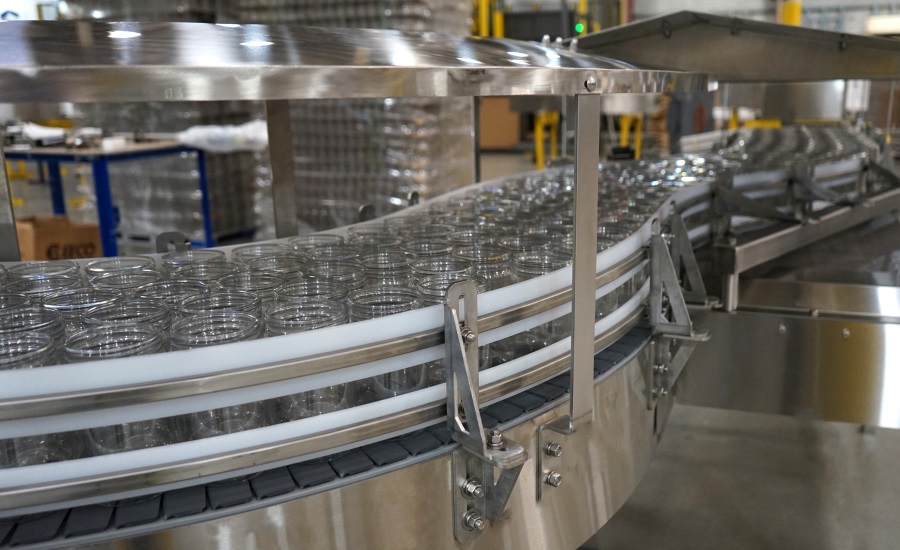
x=731, y=49
x=91, y=61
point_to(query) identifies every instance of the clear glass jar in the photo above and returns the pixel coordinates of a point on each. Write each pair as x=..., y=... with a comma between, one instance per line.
x=243, y=254
x=387, y=267
x=72, y=304
x=300, y=289
x=427, y=232
x=441, y=266
x=229, y=420
x=127, y=281
x=304, y=314
x=154, y=313
x=222, y=301
x=335, y=252
x=279, y=265
x=350, y=274
x=305, y=243
x=381, y=301
x=376, y=242
x=12, y=302
x=214, y=328
x=35, y=319
x=102, y=266
x=27, y=350
x=526, y=243
x=428, y=248
x=433, y=288
x=172, y=292
x=469, y=237
x=132, y=436
x=174, y=260
x=41, y=449
x=35, y=289
x=206, y=273
x=491, y=263
x=43, y=269
x=369, y=229
x=263, y=284
x=112, y=341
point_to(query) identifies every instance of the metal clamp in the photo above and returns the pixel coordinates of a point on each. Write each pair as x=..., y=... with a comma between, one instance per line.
x=172, y=238
x=479, y=494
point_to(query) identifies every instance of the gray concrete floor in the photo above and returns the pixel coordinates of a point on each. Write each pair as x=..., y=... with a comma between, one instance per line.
x=733, y=480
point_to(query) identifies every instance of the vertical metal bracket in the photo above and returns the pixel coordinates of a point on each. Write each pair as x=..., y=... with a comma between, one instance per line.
x=550, y=444
x=479, y=493
x=686, y=266
x=674, y=335
x=281, y=157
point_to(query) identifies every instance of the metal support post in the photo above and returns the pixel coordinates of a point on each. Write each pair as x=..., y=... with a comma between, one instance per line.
x=479, y=493
x=209, y=236
x=584, y=264
x=476, y=138
x=9, y=239
x=105, y=209
x=281, y=157
x=54, y=181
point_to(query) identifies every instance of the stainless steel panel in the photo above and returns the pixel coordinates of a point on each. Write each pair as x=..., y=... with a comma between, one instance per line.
x=833, y=369
x=741, y=50
x=822, y=299
x=48, y=61
x=281, y=158
x=411, y=508
x=789, y=102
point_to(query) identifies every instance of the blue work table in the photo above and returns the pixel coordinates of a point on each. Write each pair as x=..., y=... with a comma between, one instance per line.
x=99, y=160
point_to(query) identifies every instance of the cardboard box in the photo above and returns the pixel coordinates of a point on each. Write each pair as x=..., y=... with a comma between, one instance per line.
x=501, y=127
x=56, y=238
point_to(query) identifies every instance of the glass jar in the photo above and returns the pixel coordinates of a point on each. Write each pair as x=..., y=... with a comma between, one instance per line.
x=112, y=341
x=172, y=292
x=387, y=267
x=349, y=274
x=214, y=328
x=335, y=252
x=427, y=232
x=222, y=301
x=41, y=449
x=263, y=284
x=369, y=229
x=102, y=266
x=279, y=265
x=44, y=269
x=35, y=289
x=132, y=436
x=174, y=260
x=12, y=302
x=243, y=254
x=380, y=301
x=127, y=281
x=35, y=319
x=441, y=266
x=428, y=248
x=300, y=289
x=526, y=243
x=72, y=304
x=137, y=311
x=305, y=243
x=27, y=350
x=206, y=273
x=376, y=241
x=491, y=263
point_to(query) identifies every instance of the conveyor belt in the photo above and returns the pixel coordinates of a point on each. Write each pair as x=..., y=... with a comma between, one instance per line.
x=132, y=517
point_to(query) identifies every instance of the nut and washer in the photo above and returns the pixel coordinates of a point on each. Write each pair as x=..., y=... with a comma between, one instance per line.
x=468, y=335
x=553, y=479
x=553, y=449
x=495, y=439
x=472, y=521
x=473, y=488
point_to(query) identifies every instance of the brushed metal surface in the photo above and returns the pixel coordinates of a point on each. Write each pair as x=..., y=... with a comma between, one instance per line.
x=731, y=49
x=410, y=508
x=9, y=240
x=84, y=61
x=833, y=369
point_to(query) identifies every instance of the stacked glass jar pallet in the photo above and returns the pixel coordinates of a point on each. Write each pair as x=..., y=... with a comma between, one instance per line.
x=65, y=312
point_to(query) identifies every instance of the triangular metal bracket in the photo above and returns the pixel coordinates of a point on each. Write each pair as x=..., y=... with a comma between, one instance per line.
x=669, y=314
x=686, y=267
x=731, y=201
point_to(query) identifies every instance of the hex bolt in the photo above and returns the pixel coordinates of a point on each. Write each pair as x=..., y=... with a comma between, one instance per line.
x=473, y=488
x=661, y=369
x=472, y=521
x=591, y=83
x=468, y=335
x=553, y=479
x=553, y=449
x=660, y=392
x=495, y=439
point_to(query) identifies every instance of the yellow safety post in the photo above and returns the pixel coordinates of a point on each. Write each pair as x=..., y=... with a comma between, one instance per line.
x=499, y=24
x=791, y=13
x=582, y=15
x=544, y=120
x=638, y=135
x=624, y=130
x=484, y=18
x=539, y=160
x=627, y=123
x=554, y=135
x=734, y=121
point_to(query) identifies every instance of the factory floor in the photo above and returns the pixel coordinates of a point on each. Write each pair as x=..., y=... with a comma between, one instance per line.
x=745, y=481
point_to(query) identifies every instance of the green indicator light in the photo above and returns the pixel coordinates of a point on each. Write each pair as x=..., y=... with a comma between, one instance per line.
x=579, y=27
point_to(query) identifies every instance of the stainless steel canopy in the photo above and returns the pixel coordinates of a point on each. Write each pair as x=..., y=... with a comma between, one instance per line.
x=87, y=62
